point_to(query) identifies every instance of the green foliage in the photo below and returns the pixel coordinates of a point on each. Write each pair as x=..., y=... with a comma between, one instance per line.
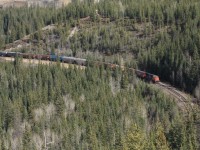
x=163, y=36
x=72, y=108
x=26, y=139
x=124, y=81
x=160, y=139
x=92, y=108
x=134, y=139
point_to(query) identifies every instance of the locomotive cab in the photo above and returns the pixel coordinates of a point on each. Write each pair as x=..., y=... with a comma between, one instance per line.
x=155, y=79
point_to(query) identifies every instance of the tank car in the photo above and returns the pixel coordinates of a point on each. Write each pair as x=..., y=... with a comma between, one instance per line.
x=81, y=61
x=13, y=54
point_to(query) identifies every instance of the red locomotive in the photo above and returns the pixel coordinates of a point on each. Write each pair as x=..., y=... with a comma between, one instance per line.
x=147, y=76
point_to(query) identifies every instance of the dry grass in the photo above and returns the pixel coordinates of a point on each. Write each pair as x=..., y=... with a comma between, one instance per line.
x=38, y=114
x=69, y=105
x=66, y=1
x=50, y=111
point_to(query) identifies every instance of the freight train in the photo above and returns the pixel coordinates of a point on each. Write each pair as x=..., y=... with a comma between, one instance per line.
x=79, y=61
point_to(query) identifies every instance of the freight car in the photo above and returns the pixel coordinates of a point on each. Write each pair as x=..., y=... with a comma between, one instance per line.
x=35, y=56
x=42, y=57
x=24, y=55
x=110, y=65
x=53, y=57
x=12, y=54
x=3, y=54
x=9, y=54
x=104, y=64
x=73, y=60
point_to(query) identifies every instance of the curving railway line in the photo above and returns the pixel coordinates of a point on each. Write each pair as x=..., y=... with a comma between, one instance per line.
x=190, y=110
x=183, y=101
x=84, y=62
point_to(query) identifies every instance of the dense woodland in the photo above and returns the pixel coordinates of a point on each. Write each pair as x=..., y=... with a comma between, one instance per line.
x=162, y=36
x=97, y=108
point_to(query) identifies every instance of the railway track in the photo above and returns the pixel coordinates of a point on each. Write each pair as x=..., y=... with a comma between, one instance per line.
x=185, y=105
x=190, y=110
x=44, y=62
x=183, y=101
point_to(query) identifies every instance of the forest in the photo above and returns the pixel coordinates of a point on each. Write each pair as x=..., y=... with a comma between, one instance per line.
x=162, y=37
x=97, y=108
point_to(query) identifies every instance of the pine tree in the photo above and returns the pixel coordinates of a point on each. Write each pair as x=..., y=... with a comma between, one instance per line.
x=26, y=141
x=134, y=139
x=160, y=139
x=124, y=80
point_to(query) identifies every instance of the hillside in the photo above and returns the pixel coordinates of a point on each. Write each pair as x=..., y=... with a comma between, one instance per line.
x=49, y=106
x=99, y=108
x=159, y=42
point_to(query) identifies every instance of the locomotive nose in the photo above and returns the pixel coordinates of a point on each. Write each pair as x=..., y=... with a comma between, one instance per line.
x=156, y=79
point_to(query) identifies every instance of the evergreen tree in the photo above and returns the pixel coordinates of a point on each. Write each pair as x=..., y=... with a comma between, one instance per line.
x=134, y=139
